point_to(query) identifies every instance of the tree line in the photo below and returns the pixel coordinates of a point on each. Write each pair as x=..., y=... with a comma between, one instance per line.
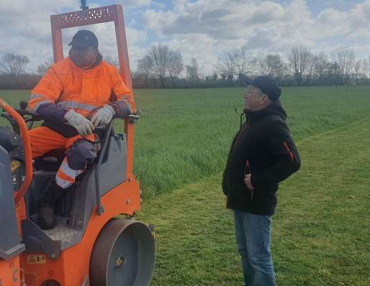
x=300, y=67
x=162, y=67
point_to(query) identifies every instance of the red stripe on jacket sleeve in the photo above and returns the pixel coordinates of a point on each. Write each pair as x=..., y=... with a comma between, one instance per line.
x=290, y=152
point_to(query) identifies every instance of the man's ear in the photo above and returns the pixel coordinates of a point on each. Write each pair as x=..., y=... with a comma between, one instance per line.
x=264, y=99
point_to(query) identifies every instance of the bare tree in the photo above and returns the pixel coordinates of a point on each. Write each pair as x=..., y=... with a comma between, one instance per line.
x=242, y=61
x=13, y=64
x=300, y=59
x=192, y=70
x=161, y=62
x=42, y=69
x=320, y=65
x=144, y=67
x=358, y=70
x=271, y=65
x=361, y=71
x=236, y=62
x=175, y=64
x=160, y=55
x=345, y=59
x=225, y=65
x=366, y=66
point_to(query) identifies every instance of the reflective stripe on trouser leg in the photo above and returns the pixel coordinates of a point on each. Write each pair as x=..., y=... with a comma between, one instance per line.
x=66, y=176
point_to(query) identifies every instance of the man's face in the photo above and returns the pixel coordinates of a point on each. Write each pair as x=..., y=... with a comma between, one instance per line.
x=83, y=57
x=254, y=99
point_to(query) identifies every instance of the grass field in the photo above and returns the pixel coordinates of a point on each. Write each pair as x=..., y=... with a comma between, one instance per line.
x=184, y=135
x=321, y=231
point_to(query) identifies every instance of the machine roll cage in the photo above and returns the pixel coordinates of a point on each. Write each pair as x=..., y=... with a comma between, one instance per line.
x=85, y=16
x=82, y=247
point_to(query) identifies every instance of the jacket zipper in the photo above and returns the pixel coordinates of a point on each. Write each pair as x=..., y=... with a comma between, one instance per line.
x=240, y=134
x=247, y=169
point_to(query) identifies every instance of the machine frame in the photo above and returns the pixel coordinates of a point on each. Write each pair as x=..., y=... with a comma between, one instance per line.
x=86, y=261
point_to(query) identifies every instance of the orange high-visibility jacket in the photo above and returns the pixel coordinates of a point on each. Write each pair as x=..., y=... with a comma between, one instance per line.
x=72, y=87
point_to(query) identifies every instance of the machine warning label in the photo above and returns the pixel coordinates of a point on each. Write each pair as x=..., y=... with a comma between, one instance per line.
x=14, y=165
x=36, y=259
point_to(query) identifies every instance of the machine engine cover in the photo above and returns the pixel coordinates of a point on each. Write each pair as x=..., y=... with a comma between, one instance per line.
x=10, y=243
x=9, y=140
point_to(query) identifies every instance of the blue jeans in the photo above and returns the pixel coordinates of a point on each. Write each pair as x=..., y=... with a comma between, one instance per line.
x=253, y=236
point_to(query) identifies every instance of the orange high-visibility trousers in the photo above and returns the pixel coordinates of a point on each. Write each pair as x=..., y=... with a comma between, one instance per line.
x=44, y=140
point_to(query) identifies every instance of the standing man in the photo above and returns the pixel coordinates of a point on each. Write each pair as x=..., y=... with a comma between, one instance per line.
x=262, y=155
x=75, y=96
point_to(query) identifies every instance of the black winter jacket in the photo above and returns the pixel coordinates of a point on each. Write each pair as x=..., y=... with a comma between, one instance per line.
x=263, y=148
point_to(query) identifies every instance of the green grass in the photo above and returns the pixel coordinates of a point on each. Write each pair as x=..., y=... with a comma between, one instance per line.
x=321, y=230
x=184, y=134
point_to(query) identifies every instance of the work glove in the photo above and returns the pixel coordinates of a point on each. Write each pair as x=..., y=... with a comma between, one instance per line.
x=103, y=116
x=83, y=126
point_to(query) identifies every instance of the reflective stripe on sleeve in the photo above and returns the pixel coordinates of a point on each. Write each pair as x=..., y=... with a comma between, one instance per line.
x=35, y=96
x=125, y=99
x=76, y=105
x=46, y=101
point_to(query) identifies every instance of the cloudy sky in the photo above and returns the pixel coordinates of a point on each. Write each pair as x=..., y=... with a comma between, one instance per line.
x=197, y=28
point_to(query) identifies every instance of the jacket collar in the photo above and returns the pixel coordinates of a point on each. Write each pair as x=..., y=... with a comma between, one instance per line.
x=275, y=108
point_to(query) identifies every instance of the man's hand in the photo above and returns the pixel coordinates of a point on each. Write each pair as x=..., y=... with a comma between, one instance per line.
x=248, y=182
x=83, y=126
x=103, y=116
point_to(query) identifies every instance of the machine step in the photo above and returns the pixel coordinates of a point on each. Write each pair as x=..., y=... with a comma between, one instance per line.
x=51, y=242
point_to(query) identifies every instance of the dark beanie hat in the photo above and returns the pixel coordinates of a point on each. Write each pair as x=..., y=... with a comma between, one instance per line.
x=268, y=86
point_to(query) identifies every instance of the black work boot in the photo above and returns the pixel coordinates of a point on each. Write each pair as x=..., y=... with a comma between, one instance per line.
x=46, y=219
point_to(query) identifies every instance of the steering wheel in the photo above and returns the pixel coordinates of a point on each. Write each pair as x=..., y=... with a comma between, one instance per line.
x=27, y=115
x=34, y=116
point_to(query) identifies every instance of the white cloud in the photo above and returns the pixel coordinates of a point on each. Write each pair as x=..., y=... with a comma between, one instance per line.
x=332, y=22
x=213, y=26
x=360, y=14
x=203, y=48
x=360, y=33
x=26, y=29
x=157, y=20
x=265, y=26
x=134, y=3
x=227, y=20
x=359, y=18
x=198, y=28
x=135, y=36
x=158, y=5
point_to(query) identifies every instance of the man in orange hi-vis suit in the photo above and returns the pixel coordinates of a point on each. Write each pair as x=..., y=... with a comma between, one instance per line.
x=75, y=96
